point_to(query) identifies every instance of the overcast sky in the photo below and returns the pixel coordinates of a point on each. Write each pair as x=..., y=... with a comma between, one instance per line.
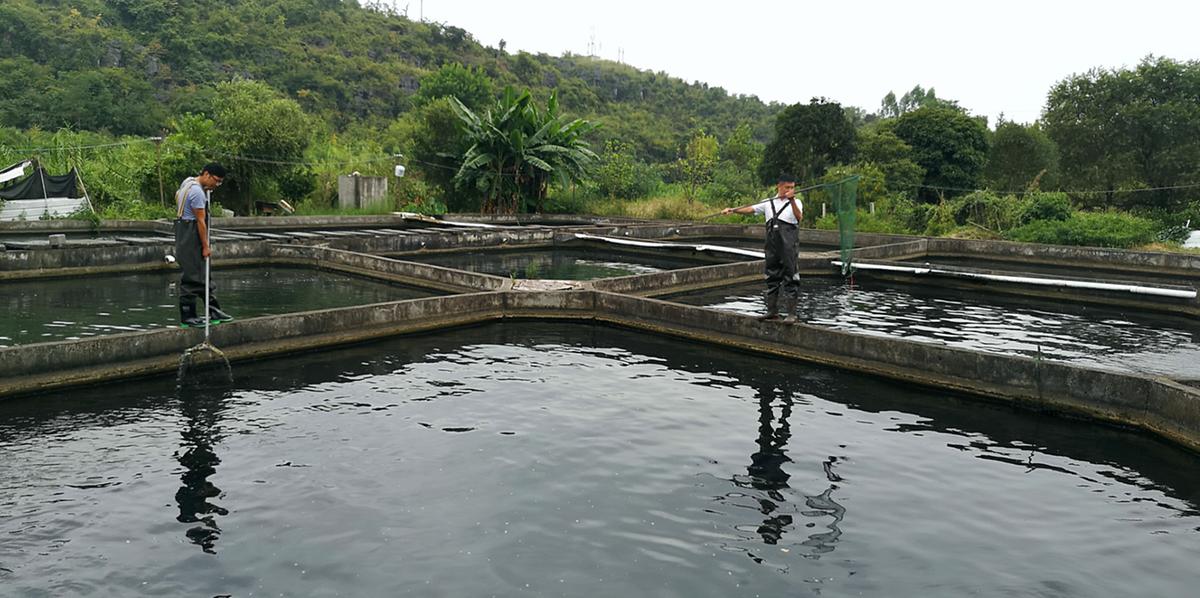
x=991, y=56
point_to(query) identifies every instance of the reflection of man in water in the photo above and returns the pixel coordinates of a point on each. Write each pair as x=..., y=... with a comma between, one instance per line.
x=201, y=410
x=767, y=473
x=766, y=465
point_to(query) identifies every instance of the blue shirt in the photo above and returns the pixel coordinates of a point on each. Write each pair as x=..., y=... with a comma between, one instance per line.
x=193, y=200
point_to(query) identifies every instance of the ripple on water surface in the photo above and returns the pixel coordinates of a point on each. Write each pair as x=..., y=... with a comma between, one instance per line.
x=578, y=461
x=1087, y=335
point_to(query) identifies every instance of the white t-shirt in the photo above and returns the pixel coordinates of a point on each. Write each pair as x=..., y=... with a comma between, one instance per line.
x=767, y=207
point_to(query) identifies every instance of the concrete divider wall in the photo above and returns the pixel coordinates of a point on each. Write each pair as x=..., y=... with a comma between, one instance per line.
x=82, y=261
x=891, y=251
x=467, y=238
x=1065, y=255
x=45, y=366
x=1050, y=293
x=413, y=273
x=676, y=281
x=84, y=226
x=1156, y=404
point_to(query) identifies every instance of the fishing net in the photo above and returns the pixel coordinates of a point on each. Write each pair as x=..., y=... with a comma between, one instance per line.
x=843, y=195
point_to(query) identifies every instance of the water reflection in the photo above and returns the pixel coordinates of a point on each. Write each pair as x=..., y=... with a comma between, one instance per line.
x=201, y=410
x=767, y=473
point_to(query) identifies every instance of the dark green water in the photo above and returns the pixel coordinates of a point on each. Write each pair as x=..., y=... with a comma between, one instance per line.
x=1088, y=335
x=550, y=460
x=562, y=263
x=60, y=309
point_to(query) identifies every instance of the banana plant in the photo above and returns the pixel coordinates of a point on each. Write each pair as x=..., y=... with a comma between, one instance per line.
x=517, y=150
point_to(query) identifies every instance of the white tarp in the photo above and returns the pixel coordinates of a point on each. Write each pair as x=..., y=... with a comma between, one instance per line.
x=15, y=171
x=35, y=209
x=1193, y=239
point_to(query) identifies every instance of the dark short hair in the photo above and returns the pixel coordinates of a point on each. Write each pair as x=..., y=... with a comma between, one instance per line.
x=214, y=169
x=783, y=178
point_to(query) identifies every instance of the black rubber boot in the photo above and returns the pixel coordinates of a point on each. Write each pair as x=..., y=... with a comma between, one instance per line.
x=214, y=312
x=790, y=310
x=187, y=314
x=772, y=308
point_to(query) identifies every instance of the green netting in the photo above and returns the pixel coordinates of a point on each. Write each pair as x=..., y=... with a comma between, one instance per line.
x=844, y=196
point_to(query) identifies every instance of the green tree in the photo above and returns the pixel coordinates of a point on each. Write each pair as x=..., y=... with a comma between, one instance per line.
x=620, y=175
x=1021, y=155
x=698, y=162
x=471, y=86
x=517, y=149
x=1130, y=128
x=917, y=97
x=951, y=146
x=261, y=135
x=432, y=142
x=882, y=149
x=809, y=138
x=106, y=99
x=741, y=150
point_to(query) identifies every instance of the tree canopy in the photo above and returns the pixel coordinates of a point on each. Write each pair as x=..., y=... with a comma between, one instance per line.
x=1127, y=129
x=949, y=145
x=808, y=139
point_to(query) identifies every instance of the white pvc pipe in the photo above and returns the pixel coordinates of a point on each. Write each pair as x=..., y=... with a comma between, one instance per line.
x=667, y=244
x=424, y=218
x=1056, y=282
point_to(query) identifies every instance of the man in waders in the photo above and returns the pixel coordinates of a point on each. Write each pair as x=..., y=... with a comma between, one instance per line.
x=783, y=213
x=191, y=244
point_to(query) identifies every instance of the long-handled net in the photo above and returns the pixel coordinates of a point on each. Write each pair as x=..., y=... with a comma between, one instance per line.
x=205, y=354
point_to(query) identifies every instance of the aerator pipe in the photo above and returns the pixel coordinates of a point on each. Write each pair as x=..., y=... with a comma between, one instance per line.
x=1057, y=282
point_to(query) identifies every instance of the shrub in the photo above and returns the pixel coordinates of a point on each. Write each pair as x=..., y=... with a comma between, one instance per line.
x=1093, y=229
x=134, y=209
x=622, y=176
x=1045, y=206
x=985, y=209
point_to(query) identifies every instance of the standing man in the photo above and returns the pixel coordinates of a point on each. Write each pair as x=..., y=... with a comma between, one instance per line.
x=783, y=214
x=191, y=244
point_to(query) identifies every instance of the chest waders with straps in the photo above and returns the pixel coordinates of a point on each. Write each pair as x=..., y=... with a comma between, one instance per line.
x=781, y=263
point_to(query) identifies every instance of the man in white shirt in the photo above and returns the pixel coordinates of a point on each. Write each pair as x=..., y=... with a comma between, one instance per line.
x=783, y=214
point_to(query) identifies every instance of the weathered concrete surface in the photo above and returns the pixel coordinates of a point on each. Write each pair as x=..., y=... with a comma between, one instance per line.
x=83, y=226
x=83, y=261
x=689, y=279
x=1187, y=265
x=893, y=251
x=46, y=366
x=1159, y=405
x=382, y=268
x=1164, y=407
x=306, y=222
x=470, y=238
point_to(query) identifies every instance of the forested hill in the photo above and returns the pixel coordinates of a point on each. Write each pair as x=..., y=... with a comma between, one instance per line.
x=127, y=66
